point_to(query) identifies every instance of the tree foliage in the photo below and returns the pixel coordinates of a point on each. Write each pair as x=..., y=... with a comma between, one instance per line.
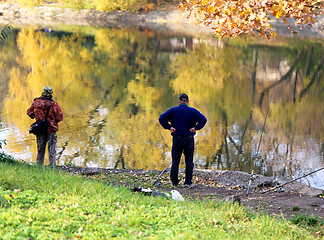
x=235, y=17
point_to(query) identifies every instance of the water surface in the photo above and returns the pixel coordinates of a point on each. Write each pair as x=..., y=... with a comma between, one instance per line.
x=123, y=79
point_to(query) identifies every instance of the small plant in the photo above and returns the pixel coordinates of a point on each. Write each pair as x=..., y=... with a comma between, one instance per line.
x=296, y=208
x=4, y=34
x=70, y=163
x=2, y=142
x=307, y=220
x=4, y=158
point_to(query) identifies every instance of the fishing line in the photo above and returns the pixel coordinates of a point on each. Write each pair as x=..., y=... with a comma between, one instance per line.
x=270, y=189
x=258, y=149
x=68, y=86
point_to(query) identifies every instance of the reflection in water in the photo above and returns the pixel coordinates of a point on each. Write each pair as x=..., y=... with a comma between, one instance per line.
x=130, y=76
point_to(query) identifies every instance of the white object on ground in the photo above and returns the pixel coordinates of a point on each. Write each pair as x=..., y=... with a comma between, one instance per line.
x=176, y=195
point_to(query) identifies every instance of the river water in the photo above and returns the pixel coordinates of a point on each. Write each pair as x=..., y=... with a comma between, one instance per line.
x=123, y=79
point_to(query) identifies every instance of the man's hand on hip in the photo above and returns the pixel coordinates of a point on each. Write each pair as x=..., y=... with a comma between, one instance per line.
x=193, y=130
x=172, y=130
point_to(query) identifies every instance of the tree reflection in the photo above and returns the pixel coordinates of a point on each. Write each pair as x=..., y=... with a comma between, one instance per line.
x=130, y=76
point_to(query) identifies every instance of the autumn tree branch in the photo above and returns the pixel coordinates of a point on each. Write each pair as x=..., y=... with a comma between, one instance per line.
x=283, y=78
x=318, y=69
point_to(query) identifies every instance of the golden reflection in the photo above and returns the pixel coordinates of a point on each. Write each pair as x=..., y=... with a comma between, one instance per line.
x=129, y=77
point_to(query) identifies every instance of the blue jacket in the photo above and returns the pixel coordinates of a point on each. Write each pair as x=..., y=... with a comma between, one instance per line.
x=182, y=118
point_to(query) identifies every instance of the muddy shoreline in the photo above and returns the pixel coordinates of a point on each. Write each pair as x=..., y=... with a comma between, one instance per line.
x=228, y=179
x=167, y=18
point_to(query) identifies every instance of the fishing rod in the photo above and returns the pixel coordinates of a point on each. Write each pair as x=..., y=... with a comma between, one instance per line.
x=68, y=86
x=279, y=186
x=257, y=153
x=161, y=174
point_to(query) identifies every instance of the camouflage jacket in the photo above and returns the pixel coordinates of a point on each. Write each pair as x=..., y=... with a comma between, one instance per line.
x=39, y=108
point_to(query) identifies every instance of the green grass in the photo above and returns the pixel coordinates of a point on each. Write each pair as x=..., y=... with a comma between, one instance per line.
x=39, y=203
x=313, y=223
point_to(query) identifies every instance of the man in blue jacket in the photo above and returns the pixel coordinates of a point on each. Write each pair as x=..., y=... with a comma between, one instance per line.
x=183, y=122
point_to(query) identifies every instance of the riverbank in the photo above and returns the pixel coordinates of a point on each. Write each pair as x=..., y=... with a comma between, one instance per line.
x=210, y=185
x=167, y=18
x=163, y=18
x=37, y=203
x=220, y=185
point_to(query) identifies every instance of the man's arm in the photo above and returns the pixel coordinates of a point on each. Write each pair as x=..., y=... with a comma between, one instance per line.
x=201, y=121
x=58, y=113
x=164, y=120
x=30, y=111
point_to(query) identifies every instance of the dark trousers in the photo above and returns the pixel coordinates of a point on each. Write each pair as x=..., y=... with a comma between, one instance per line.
x=42, y=140
x=182, y=144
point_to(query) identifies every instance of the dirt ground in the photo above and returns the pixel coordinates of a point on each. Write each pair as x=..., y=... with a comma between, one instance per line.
x=221, y=186
x=273, y=203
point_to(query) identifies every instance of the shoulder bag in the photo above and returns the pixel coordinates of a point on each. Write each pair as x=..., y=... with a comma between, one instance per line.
x=40, y=127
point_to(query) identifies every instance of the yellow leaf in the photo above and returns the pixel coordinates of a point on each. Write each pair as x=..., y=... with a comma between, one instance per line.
x=279, y=14
x=273, y=34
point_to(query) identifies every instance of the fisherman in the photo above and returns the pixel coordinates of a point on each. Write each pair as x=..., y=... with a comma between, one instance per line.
x=183, y=122
x=38, y=110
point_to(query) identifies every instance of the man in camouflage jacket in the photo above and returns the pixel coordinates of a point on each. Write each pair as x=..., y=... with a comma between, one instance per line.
x=38, y=110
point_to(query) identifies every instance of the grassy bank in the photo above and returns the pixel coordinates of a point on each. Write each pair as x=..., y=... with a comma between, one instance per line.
x=39, y=203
